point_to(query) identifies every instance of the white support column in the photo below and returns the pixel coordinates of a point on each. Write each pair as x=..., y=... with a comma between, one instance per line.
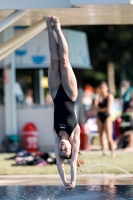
x=10, y=99
x=41, y=89
x=12, y=18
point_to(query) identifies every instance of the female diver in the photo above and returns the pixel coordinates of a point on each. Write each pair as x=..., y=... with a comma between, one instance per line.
x=102, y=105
x=63, y=89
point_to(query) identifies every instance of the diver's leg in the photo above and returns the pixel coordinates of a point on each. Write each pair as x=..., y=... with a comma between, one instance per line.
x=54, y=69
x=68, y=78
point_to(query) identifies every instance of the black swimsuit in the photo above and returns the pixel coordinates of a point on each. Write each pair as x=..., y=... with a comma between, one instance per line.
x=64, y=113
x=103, y=115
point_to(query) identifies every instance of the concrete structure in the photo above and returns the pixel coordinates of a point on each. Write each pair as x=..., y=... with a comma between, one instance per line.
x=71, y=12
x=32, y=13
x=54, y=179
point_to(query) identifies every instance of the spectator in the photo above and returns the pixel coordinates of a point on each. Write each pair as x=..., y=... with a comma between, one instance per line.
x=87, y=99
x=126, y=90
x=127, y=94
x=29, y=98
x=129, y=109
x=102, y=104
x=48, y=99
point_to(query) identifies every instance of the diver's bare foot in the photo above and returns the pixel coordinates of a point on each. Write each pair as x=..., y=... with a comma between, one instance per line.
x=49, y=23
x=56, y=23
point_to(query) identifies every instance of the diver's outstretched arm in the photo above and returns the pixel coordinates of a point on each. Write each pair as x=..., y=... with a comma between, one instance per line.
x=59, y=162
x=75, y=151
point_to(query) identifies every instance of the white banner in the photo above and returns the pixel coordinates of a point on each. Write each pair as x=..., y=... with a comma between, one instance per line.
x=35, y=53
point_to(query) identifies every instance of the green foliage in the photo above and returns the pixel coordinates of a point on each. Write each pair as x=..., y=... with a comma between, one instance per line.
x=109, y=43
x=93, y=76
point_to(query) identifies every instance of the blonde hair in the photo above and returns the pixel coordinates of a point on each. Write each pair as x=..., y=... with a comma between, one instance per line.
x=78, y=163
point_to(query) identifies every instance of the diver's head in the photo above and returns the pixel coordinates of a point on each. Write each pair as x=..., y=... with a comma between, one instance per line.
x=65, y=147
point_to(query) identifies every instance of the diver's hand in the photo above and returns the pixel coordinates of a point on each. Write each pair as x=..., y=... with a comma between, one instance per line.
x=73, y=185
x=66, y=183
x=69, y=186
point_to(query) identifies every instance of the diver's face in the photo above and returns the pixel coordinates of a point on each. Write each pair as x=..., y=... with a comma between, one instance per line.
x=65, y=148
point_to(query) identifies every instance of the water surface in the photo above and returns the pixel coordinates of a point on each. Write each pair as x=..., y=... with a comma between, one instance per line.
x=84, y=192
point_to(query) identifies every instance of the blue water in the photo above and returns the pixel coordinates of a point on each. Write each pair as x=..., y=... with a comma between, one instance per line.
x=84, y=192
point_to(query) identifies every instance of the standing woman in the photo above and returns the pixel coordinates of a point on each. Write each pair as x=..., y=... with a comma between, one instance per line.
x=102, y=105
x=63, y=89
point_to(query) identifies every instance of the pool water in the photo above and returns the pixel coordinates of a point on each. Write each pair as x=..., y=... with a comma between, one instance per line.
x=81, y=192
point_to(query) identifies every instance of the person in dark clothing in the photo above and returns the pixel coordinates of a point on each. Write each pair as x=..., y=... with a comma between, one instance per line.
x=126, y=90
x=129, y=109
x=102, y=105
x=63, y=89
x=127, y=98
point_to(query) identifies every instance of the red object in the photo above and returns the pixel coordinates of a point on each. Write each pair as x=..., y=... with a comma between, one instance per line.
x=84, y=139
x=118, y=122
x=30, y=137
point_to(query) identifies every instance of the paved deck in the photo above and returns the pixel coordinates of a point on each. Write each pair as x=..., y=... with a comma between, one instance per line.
x=83, y=179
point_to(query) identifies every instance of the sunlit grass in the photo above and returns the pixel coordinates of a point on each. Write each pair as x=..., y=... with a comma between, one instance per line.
x=123, y=160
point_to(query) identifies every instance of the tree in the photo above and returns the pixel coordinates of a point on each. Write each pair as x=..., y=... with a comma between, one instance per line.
x=108, y=43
